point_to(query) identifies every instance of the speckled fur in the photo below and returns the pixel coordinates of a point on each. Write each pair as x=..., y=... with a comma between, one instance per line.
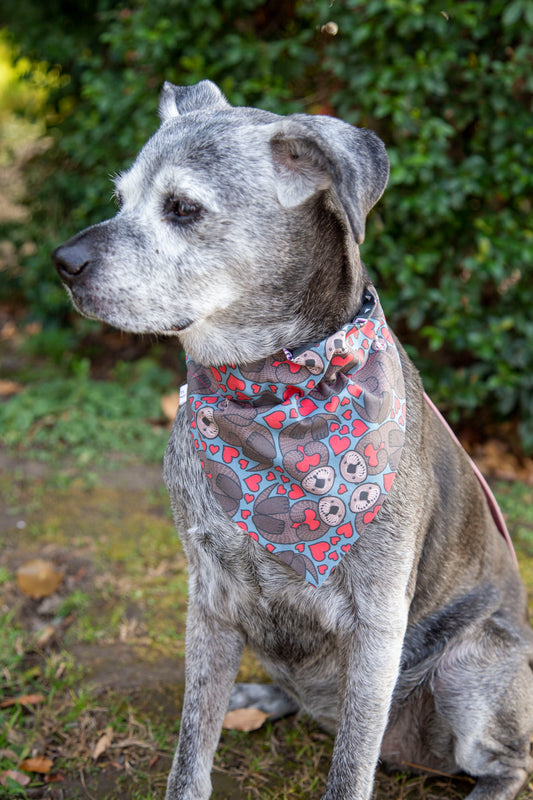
x=417, y=647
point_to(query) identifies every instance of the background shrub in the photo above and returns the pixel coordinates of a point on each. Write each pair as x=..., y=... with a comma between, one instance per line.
x=450, y=91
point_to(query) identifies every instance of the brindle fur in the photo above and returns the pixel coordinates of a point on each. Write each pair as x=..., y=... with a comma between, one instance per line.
x=417, y=648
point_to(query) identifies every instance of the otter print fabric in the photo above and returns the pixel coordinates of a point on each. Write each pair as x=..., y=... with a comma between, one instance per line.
x=302, y=448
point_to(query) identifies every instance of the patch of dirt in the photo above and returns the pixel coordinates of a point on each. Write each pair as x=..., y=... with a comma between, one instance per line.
x=497, y=451
x=133, y=764
x=136, y=477
x=137, y=669
x=112, y=785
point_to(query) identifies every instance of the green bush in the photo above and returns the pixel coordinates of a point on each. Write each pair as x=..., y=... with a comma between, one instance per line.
x=452, y=241
x=450, y=91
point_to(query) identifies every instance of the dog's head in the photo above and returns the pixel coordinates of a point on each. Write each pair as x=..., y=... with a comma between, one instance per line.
x=238, y=229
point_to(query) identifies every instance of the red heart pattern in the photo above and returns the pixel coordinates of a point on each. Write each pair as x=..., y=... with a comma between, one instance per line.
x=229, y=453
x=253, y=482
x=275, y=420
x=339, y=444
x=319, y=550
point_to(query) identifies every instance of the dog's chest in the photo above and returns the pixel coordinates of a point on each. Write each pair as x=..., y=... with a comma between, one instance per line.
x=281, y=615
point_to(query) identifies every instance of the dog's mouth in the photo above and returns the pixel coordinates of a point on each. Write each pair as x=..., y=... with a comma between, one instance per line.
x=180, y=326
x=102, y=312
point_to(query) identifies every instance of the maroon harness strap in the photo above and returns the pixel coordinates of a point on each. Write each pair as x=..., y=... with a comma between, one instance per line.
x=487, y=491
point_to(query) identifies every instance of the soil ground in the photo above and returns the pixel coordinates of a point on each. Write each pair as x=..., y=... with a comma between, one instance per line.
x=106, y=649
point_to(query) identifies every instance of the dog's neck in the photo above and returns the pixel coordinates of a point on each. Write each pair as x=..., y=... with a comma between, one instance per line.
x=325, y=360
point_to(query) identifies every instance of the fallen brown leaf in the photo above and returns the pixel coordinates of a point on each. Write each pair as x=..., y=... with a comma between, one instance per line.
x=244, y=719
x=169, y=405
x=45, y=636
x=134, y=743
x=23, y=700
x=60, y=670
x=38, y=578
x=103, y=743
x=40, y=764
x=9, y=388
x=9, y=330
x=32, y=328
x=15, y=775
x=8, y=754
x=54, y=777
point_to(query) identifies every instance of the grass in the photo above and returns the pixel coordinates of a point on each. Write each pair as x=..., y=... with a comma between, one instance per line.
x=516, y=502
x=34, y=682
x=61, y=714
x=61, y=410
x=89, y=418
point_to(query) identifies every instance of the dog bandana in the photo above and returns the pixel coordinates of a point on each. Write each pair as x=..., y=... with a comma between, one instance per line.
x=302, y=448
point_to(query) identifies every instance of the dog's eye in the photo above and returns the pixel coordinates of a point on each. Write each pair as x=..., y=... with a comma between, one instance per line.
x=178, y=210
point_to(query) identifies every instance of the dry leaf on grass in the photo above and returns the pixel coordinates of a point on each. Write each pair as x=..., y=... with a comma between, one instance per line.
x=103, y=743
x=23, y=700
x=15, y=775
x=8, y=331
x=244, y=719
x=9, y=388
x=134, y=743
x=45, y=636
x=38, y=578
x=54, y=777
x=40, y=764
x=169, y=405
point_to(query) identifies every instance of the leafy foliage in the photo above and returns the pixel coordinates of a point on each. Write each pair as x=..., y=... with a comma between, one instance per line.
x=449, y=91
x=451, y=96
x=67, y=412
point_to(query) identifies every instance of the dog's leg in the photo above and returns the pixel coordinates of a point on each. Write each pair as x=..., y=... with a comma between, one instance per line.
x=484, y=689
x=267, y=697
x=213, y=655
x=369, y=658
x=491, y=788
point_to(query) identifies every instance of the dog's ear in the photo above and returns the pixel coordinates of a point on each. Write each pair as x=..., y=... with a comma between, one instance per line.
x=176, y=100
x=315, y=153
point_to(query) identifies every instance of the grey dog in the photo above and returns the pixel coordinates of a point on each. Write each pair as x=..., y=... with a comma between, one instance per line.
x=238, y=232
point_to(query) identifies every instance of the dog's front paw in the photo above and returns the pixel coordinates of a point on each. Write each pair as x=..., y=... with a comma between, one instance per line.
x=267, y=697
x=498, y=787
x=181, y=788
x=178, y=793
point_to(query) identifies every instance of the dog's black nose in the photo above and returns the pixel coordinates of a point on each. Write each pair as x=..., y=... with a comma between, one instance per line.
x=71, y=259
